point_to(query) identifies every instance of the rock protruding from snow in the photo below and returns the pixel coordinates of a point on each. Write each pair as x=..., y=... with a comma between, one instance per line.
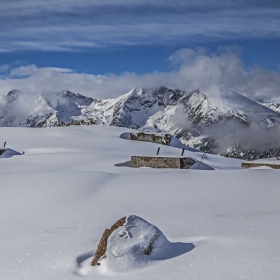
x=102, y=245
x=163, y=139
x=131, y=243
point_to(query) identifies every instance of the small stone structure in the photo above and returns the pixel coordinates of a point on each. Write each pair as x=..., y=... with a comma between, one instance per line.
x=162, y=162
x=163, y=139
x=273, y=163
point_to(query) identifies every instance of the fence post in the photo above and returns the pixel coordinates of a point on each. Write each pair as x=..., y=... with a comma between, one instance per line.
x=183, y=152
x=158, y=151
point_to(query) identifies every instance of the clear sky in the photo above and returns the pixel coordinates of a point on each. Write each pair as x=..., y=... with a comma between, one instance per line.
x=93, y=42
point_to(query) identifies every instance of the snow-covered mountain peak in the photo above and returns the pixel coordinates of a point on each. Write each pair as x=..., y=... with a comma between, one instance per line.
x=12, y=95
x=238, y=102
x=76, y=97
x=13, y=92
x=67, y=96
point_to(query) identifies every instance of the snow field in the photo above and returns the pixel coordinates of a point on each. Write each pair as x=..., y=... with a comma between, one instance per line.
x=57, y=199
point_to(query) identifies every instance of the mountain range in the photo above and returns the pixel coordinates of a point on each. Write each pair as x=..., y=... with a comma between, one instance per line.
x=196, y=118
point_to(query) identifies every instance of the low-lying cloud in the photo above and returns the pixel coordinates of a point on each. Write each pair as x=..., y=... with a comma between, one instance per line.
x=14, y=109
x=253, y=136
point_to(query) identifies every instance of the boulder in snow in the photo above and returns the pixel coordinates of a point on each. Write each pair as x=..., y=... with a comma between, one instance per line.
x=131, y=243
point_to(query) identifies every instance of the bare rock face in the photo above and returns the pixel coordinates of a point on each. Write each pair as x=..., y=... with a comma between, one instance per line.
x=130, y=240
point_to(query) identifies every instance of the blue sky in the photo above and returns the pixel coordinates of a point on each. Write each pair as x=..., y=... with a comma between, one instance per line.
x=111, y=37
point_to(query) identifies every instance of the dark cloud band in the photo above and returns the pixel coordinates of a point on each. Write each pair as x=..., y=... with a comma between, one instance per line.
x=68, y=25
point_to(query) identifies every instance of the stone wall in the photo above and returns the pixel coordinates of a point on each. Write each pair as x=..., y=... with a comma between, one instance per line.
x=258, y=164
x=148, y=137
x=161, y=162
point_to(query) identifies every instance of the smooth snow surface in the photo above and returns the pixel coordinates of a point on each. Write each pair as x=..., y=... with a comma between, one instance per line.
x=57, y=199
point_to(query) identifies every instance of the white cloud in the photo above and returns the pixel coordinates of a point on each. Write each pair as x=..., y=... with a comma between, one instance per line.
x=213, y=73
x=23, y=71
x=31, y=70
x=249, y=137
x=4, y=68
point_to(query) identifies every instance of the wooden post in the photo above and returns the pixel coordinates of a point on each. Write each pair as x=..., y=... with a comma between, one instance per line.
x=4, y=144
x=183, y=152
x=158, y=151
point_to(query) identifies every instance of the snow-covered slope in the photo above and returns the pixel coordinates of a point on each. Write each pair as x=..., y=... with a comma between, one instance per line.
x=57, y=199
x=273, y=104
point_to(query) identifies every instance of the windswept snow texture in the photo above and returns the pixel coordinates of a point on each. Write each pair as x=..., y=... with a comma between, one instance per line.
x=57, y=199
